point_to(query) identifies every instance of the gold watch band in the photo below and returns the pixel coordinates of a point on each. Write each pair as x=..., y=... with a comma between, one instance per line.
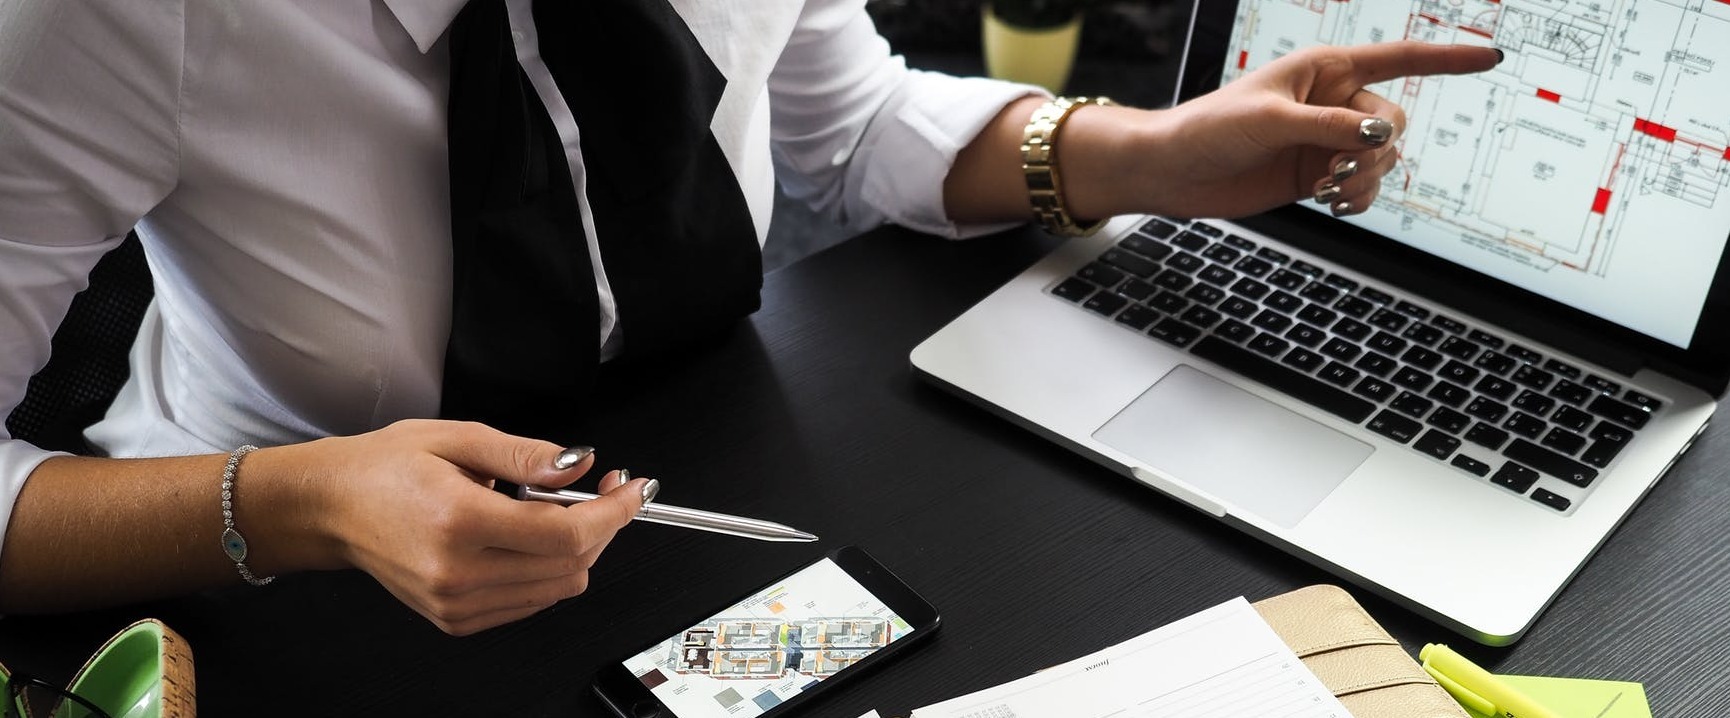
x=1039, y=165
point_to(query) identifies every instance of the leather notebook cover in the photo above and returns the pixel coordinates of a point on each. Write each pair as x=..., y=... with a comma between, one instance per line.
x=1354, y=656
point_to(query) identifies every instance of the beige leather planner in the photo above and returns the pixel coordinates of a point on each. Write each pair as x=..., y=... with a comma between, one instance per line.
x=1354, y=656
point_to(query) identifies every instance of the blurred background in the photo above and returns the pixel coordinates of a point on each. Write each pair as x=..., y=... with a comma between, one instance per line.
x=1127, y=49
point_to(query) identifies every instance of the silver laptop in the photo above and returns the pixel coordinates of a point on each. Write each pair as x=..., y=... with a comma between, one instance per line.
x=1454, y=398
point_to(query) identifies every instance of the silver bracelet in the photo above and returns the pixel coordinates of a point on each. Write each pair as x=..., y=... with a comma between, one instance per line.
x=233, y=543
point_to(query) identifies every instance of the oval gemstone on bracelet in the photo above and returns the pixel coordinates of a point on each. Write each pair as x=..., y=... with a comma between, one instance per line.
x=234, y=545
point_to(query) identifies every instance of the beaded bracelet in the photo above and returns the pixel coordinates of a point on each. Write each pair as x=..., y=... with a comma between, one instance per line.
x=233, y=543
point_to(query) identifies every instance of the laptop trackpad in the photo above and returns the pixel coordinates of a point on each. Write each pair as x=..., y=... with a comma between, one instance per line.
x=1253, y=455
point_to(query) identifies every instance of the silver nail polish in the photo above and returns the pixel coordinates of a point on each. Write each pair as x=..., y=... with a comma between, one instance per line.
x=1342, y=208
x=572, y=456
x=1375, y=131
x=650, y=490
x=1327, y=193
x=624, y=476
x=1344, y=169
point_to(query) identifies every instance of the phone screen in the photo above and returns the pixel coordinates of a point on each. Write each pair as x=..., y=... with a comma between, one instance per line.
x=770, y=647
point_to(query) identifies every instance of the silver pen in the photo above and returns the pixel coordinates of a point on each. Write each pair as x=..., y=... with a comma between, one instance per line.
x=679, y=516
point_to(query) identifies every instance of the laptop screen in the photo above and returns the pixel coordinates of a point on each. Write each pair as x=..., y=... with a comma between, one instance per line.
x=1591, y=167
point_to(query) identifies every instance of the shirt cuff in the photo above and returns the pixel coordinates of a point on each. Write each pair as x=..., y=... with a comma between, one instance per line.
x=17, y=460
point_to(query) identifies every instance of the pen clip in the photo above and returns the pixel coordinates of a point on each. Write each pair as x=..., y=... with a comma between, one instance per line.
x=1460, y=693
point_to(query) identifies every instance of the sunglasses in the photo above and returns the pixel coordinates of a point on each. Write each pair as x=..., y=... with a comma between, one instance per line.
x=24, y=691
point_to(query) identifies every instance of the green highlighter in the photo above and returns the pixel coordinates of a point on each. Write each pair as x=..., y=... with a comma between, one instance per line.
x=1476, y=688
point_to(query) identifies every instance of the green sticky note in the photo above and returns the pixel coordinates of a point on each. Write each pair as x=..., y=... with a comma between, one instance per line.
x=1581, y=698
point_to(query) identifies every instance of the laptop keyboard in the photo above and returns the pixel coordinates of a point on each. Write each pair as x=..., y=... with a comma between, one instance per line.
x=1486, y=406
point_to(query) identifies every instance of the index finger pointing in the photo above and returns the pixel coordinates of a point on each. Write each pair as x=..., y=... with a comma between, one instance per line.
x=1385, y=61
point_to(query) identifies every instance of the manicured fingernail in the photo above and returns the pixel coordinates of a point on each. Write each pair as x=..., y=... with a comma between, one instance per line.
x=572, y=456
x=1342, y=208
x=1500, y=56
x=1344, y=169
x=1327, y=193
x=650, y=490
x=624, y=476
x=1375, y=131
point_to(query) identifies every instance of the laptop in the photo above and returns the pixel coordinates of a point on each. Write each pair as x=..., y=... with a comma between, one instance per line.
x=1454, y=398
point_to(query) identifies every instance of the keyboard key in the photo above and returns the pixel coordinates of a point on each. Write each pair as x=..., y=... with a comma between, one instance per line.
x=1200, y=317
x=1355, y=306
x=1338, y=374
x=1303, y=388
x=1437, y=444
x=1145, y=247
x=1515, y=477
x=1422, y=358
x=1459, y=373
x=1137, y=317
x=1602, y=385
x=1174, y=331
x=1217, y=275
x=1560, y=367
x=1319, y=293
x=1550, y=462
x=1486, y=436
x=1341, y=349
x=1525, y=425
x=1254, y=266
x=1376, y=295
x=1487, y=409
x=1534, y=403
x=1168, y=302
x=1459, y=348
x=1303, y=359
x=1306, y=335
x=1571, y=419
x=1105, y=303
x=1563, y=440
x=1302, y=267
x=1412, y=378
x=1617, y=411
x=1130, y=262
x=1411, y=310
x=1239, y=243
x=1449, y=393
x=1073, y=289
x=1523, y=354
x=1174, y=280
x=1386, y=343
x=1238, y=307
x=1190, y=241
x=1376, y=389
x=1101, y=274
x=1423, y=334
x=1251, y=288
x=1395, y=427
x=1476, y=467
x=1449, y=420
x=1375, y=364
x=1572, y=393
x=1448, y=324
x=1271, y=320
x=1284, y=302
x=1499, y=389
x=1206, y=229
x=1269, y=344
x=1642, y=401
x=1317, y=315
x=1606, y=431
x=1411, y=405
x=1601, y=453
x=1272, y=255
x=1495, y=362
x=1388, y=320
x=1204, y=294
x=1287, y=279
x=1234, y=330
x=1485, y=338
x=1137, y=290
x=1344, y=284
x=1353, y=329
x=1185, y=262
x=1533, y=377
x=1551, y=499
x=1158, y=228
x=1221, y=253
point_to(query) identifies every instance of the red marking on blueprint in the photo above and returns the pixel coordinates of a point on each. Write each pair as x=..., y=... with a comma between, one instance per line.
x=1602, y=202
x=1433, y=19
x=1654, y=129
x=1727, y=150
x=1486, y=33
x=1242, y=59
x=1553, y=97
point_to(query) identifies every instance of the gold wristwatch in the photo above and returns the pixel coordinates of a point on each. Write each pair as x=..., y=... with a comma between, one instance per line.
x=1039, y=165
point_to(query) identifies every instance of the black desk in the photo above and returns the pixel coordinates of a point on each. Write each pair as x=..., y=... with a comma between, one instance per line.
x=811, y=416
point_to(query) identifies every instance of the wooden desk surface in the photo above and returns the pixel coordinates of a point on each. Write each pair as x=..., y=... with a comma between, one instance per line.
x=811, y=416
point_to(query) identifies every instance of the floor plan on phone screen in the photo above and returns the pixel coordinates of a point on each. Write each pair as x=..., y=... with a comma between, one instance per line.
x=1578, y=168
x=769, y=647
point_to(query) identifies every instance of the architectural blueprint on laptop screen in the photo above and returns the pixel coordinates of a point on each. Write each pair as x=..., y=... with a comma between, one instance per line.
x=1591, y=167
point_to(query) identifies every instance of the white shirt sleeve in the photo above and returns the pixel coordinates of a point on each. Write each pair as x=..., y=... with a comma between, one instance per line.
x=89, y=102
x=862, y=138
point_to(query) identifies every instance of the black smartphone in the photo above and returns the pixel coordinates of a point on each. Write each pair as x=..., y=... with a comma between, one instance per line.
x=767, y=652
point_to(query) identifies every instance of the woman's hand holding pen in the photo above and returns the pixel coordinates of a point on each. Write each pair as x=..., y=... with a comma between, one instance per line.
x=411, y=505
